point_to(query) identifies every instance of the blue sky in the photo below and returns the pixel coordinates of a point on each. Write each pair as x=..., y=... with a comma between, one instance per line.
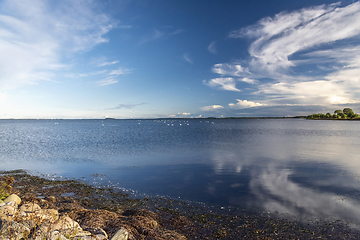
x=167, y=58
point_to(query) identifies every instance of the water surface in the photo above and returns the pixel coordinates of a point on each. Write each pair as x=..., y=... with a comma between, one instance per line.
x=301, y=167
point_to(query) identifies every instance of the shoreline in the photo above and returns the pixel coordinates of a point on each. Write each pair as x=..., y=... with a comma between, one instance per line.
x=160, y=218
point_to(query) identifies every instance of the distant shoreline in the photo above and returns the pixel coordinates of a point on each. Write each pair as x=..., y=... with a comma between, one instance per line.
x=208, y=118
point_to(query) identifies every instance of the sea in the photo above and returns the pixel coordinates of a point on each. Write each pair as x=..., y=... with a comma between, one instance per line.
x=303, y=168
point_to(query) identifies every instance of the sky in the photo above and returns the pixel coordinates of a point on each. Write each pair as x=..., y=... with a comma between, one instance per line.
x=166, y=58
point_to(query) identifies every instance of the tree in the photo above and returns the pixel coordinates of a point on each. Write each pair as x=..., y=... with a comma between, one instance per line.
x=328, y=115
x=349, y=112
x=337, y=112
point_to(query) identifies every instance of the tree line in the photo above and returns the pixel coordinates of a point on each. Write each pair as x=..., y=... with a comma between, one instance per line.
x=346, y=113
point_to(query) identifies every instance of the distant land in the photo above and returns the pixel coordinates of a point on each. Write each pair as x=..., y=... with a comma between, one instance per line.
x=345, y=114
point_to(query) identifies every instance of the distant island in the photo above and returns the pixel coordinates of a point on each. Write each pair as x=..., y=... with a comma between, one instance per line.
x=347, y=113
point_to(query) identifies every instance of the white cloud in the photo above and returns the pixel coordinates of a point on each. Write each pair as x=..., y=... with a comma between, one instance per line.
x=107, y=63
x=211, y=108
x=245, y=104
x=223, y=83
x=120, y=71
x=187, y=58
x=80, y=75
x=106, y=81
x=249, y=81
x=234, y=70
x=36, y=35
x=212, y=48
x=309, y=56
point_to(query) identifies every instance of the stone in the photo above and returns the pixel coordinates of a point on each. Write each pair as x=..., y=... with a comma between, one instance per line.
x=99, y=233
x=29, y=208
x=12, y=203
x=64, y=228
x=51, y=199
x=13, y=198
x=51, y=214
x=13, y=230
x=55, y=235
x=121, y=234
x=65, y=225
x=8, y=210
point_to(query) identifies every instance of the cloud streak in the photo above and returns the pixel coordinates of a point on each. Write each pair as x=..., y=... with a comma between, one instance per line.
x=223, y=83
x=323, y=39
x=127, y=106
x=107, y=81
x=36, y=36
x=212, y=48
x=187, y=58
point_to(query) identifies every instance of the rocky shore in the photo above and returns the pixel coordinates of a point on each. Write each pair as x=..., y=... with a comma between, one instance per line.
x=40, y=209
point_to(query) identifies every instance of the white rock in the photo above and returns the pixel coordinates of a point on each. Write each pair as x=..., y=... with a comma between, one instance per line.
x=121, y=234
x=8, y=210
x=13, y=198
x=29, y=208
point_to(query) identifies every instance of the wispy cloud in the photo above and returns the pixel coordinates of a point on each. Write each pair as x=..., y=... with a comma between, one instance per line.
x=107, y=81
x=157, y=34
x=212, y=48
x=228, y=84
x=107, y=63
x=127, y=105
x=323, y=39
x=234, y=70
x=212, y=108
x=80, y=75
x=34, y=36
x=187, y=58
x=120, y=71
x=249, y=81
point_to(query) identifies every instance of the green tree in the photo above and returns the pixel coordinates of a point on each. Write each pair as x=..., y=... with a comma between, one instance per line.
x=328, y=115
x=349, y=112
x=337, y=112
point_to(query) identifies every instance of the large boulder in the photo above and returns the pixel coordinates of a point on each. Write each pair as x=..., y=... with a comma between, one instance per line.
x=29, y=208
x=13, y=198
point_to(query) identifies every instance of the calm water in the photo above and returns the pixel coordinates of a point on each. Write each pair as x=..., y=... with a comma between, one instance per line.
x=300, y=167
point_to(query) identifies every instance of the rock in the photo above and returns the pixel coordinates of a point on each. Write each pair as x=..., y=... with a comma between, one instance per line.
x=55, y=235
x=12, y=203
x=29, y=223
x=99, y=233
x=8, y=210
x=64, y=228
x=66, y=223
x=51, y=214
x=29, y=208
x=121, y=234
x=13, y=230
x=51, y=199
x=13, y=198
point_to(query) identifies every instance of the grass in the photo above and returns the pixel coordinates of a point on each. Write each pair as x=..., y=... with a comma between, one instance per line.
x=5, y=187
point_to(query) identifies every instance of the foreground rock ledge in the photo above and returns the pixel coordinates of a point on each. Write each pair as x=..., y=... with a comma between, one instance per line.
x=30, y=221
